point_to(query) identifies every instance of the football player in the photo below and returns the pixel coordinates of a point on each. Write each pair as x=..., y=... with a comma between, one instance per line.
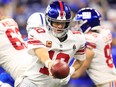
x=99, y=62
x=54, y=41
x=14, y=57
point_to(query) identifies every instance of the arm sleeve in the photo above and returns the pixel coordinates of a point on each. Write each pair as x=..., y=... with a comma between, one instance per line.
x=80, y=54
x=34, y=42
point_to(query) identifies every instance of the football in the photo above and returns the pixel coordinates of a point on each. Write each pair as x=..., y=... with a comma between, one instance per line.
x=60, y=70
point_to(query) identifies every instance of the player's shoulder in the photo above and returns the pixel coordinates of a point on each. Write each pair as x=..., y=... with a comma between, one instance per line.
x=39, y=31
x=36, y=15
x=77, y=35
x=36, y=20
x=91, y=37
x=105, y=30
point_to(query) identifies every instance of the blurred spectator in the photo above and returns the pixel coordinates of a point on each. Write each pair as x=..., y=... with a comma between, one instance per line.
x=75, y=5
x=8, y=6
x=37, y=5
x=20, y=16
x=24, y=9
x=100, y=5
x=112, y=3
x=111, y=16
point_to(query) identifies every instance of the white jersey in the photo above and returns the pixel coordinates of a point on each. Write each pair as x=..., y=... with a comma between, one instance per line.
x=101, y=69
x=39, y=36
x=73, y=46
x=14, y=57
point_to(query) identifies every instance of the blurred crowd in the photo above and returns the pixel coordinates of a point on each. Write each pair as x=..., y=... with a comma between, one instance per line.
x=20, y=10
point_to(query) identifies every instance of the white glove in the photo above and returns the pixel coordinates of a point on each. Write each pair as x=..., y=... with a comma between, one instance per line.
x=66, y=80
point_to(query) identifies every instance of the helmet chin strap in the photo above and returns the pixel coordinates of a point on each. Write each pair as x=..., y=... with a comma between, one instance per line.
x=61, y=35
x=63, y=38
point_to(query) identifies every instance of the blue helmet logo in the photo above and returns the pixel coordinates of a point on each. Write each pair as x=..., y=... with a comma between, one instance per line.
x=90, y=18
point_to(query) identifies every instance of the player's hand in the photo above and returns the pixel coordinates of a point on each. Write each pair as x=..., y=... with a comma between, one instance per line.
x=66, y=80
x=49, y=67
x=49, y=64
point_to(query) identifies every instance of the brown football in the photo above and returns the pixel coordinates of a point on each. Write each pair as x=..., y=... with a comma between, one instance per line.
x=60, y=70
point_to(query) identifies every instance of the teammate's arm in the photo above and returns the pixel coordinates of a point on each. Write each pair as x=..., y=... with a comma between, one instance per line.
x=79, y=57
x=83, y=66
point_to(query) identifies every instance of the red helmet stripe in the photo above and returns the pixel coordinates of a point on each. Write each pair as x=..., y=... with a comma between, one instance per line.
x=61, y=8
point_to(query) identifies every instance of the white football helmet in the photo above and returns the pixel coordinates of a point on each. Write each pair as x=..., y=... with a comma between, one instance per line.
x=36, y=20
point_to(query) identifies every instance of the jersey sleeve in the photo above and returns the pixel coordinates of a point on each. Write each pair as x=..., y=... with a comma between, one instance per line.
x=90, y=41
x=2, y=29
x=36, y=39
x=80, y=54
x=35, y=20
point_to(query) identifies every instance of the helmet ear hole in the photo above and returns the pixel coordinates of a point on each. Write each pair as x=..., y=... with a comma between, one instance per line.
x=67, y=24
x=50, y=21
x=85, y=27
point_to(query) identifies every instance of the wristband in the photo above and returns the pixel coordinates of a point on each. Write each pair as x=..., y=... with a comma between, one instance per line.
x=72, y=70
x=47, y=62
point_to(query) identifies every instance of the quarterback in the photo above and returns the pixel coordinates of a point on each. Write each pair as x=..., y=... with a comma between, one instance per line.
x=52, y=40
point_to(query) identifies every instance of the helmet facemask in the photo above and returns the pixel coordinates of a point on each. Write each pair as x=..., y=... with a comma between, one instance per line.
x=84, y=26
x=58, y=32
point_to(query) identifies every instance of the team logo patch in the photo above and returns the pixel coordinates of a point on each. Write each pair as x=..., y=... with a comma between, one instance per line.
x=74, y=47
x=49, y=44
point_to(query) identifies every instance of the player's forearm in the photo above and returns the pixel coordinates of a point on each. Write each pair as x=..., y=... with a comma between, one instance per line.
x=79, y=71
x=84, y=65
x=42, y=54
x=77, y=65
